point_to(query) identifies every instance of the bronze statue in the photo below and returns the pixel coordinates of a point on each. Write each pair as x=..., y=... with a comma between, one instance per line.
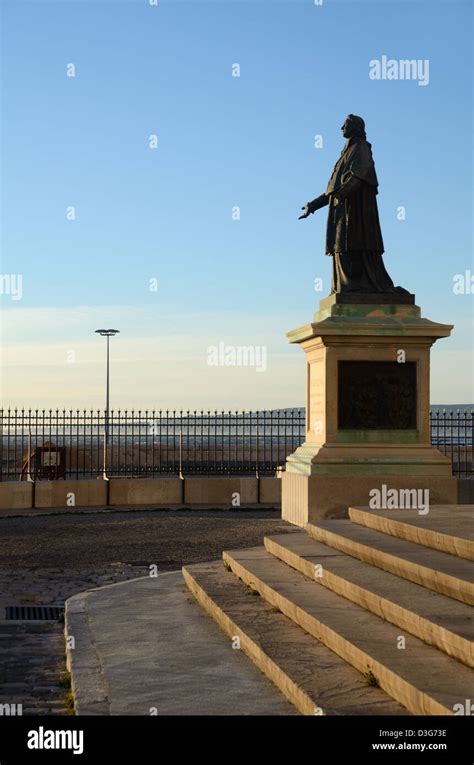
x=353, y=235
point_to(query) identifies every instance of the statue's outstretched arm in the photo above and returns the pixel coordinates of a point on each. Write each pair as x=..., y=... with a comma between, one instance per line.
x=316, y=204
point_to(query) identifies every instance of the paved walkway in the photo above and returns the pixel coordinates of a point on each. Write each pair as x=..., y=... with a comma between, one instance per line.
x=145, y=647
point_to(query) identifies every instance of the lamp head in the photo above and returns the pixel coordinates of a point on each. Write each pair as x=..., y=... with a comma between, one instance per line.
x=107, y=332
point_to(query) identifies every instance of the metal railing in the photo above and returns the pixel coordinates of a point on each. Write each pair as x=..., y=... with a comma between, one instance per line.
x=451, y=433
x=45, y=444
x=58, y=444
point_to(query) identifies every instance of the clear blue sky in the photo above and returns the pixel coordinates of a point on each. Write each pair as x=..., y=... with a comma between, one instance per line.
x=222, y=142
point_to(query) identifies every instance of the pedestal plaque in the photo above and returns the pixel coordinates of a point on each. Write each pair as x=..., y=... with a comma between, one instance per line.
x=376, y=395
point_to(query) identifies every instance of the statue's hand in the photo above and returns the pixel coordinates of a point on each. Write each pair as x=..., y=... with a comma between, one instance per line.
x=305, y=212
x=336, y=201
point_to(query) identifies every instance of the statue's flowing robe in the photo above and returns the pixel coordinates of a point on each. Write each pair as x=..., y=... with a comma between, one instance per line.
x=353, y=234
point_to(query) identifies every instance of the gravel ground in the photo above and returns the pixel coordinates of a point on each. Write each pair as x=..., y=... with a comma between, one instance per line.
x=45, y=559
x=169, y=539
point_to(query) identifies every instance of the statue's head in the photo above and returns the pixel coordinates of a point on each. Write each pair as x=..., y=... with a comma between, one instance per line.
x=353, y=127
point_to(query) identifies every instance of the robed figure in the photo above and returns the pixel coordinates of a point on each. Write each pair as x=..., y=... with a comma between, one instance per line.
x=353, y=236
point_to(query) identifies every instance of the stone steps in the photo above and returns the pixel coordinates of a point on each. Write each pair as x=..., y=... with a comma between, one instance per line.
x=421, y=678
x=438, y=571
x=440, y=529
x=438, y=620
x=311, y=676
x=382, y=599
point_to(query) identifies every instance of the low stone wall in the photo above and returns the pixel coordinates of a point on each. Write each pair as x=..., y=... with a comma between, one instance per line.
x=70, y=493
x=16, y=495
x=465, y=491
x=225, y=492
x=270, y=491
x=231, y=492
x=145, y=491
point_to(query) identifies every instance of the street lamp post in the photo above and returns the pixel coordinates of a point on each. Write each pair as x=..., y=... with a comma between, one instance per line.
x=107, y=333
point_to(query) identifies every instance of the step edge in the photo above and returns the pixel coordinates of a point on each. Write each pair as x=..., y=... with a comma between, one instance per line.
x=445, y=584
x=311, y=704
x=394, y=685
x=293, y=692
x=411, y=533
x=461, y=648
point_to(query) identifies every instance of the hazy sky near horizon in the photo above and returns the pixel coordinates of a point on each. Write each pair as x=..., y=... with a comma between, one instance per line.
x=165, y=217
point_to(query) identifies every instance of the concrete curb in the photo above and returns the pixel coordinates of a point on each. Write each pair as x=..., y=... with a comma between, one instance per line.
x=87, y=510
x=88, y=682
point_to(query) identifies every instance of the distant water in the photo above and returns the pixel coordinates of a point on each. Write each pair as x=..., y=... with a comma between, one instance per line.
x=452, y=408
x=433, y=408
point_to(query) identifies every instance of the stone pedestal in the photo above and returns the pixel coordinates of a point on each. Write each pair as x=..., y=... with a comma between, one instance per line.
x=367, y=407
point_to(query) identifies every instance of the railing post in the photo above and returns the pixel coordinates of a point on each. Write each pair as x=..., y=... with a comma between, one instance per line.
x=256, y=454
x=104, y=466
x=28, y=472
x=181, y=454
x=1, y=445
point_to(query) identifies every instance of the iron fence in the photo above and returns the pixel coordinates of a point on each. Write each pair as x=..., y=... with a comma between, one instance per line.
x=46, y=444
x=84, y=444
x=451, y=433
